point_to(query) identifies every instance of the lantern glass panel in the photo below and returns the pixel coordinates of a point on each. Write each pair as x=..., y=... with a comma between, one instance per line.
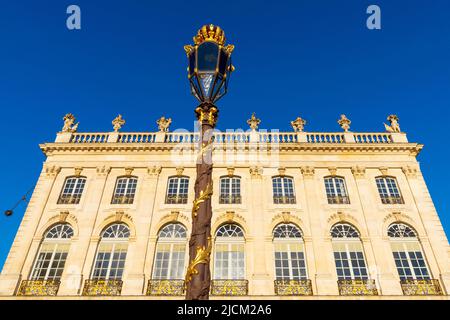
x=223, y=61
x=207, y=55
x=191, y=63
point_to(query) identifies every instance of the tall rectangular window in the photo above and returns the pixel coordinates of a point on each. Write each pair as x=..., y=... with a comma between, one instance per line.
x=336, y=190
x=125, y=190
x=177, y=190
x=283, y=190
x=349, y=260
x=230, y=190
x=290, y=261
x=409, y=260
x=389, y=191
x=72, y=190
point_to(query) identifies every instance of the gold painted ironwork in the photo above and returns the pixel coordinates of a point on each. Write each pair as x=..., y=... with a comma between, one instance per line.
x=38, y=288
x=284, y=199
x=69, y=199
x=210, y=33
x=392, y=200
x=210, y=115
x=165, y=287
x=202, y=255
x=229, y=287
x=203, y=196
x=123, y=199
x=293, y=287
x=425, y=287
x=230, y=199
x=357, y=287
x=338, y=200
x=176, y=199
x=101, y=287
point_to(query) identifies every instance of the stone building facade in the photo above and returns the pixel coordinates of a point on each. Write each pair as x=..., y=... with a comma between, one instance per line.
x=296, y=215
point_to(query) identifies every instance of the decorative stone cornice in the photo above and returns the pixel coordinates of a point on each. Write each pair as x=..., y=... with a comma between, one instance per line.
x=307, y=171
x=103, y=171
x=410, y=172
x=359, y=172
x=256, y=172
x=51, y=171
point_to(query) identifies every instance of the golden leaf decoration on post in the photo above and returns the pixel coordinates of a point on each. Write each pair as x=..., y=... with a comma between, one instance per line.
x=202, y=255
x=204, y=195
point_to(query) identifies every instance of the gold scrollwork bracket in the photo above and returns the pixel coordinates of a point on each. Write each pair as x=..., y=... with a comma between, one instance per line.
x=202, y=255
x=204, y=195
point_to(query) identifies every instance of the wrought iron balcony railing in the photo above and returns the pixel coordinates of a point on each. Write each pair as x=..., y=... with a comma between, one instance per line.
x=423, y=287
x=338, y=200
x=102, y=287
x=229, y=287
x=165, y=287
x=177, y=199
x=124, y=199
x=230, y=199
x=293, y=287
x=357, y=287
x=38, y=288
x=284, y=199
x=392, y=200
x=69, y=199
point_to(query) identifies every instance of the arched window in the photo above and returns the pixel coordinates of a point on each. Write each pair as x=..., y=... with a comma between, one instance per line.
x=283, y=190
x=407, y=251
x=52, y=254
x=336, y=190
x=125, y=190
x=170, y=255
x=389, y=190
x=177, y=190
x=229, y=257
x=72, y=190
x=348, y=253
x=111, y=253
x=290, y=261
x=230, y=190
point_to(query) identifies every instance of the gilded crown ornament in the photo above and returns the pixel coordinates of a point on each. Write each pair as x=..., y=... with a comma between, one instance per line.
x=210, y=33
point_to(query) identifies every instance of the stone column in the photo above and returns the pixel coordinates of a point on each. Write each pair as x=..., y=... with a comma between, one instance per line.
x=260, y=282
x=436, y=248
x=383, y=271
x=13, y=270
x=324, y=278
x=73, y=276
x=139, y=252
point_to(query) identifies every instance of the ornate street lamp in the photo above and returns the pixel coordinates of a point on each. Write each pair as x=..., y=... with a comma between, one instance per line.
x=209, y=72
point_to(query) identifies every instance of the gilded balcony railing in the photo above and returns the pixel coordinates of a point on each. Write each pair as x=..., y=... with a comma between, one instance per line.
x=176, y=199
x=38, y=288
x=284, y=199
x=102, y=287
x=425, y=287
x=293, y=287
x=165, y=287
x=392, y=200
x=338, y=200
x=69, y=199
x=124, y=199
x=358, y=287
x=230, y=199
x=229, y=287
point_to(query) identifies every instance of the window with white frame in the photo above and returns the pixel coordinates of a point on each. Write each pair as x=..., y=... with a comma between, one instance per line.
x=177, y=190
x=407, y=251
x=170, y=254
x=111, y=253
x=389, y=191
x=336, y=190
x=290, y=263
x=229, y=256
x=230, y=190
x=72, y=190
x=52, y=254
x=283, y=190
x=125, y=190
x=348, y=253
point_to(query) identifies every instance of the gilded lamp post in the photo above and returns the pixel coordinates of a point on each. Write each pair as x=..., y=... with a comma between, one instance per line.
x=209, y=72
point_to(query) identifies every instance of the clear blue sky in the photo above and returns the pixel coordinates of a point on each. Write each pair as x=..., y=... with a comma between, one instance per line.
x=310, y=58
